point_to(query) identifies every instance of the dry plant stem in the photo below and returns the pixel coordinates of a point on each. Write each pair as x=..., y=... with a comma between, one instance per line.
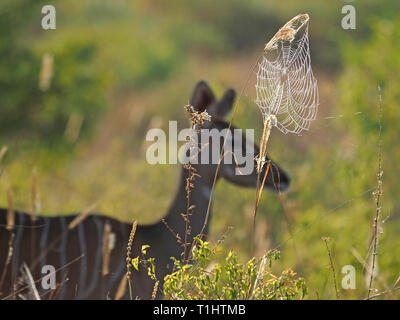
x=153, y=295
x=106, y=249
x=189, y=208
x=53, y=293
x=8, y=260
x=128, y=257
x=106, y=256
x=222, y=151
x=260, y=165
x=197, y=120
x=258, y=197
x=177, y=236
x=34, y=202
x=3, y=151
x=397, y=281
x=360, y=259
x=10, y=211
x=40, y=279
x=382, y=293
x=259, y=275
x=26, y=275
x=81, y=217
x=121, y=289
x=10, y=228
x=263, y=143
x=325, y=239
x=377, y=195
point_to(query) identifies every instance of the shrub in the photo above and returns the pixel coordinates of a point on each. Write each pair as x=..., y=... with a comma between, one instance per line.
x=231, y=280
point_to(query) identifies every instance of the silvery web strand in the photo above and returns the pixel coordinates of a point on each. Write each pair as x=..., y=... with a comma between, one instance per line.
x=286, y=86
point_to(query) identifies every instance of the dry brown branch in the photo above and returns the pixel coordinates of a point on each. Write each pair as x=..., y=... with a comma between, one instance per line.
x=121, y=288
x=326, y=239
x=382, y=293
x=3, y=151
x=40, y=279
x=106, y=249
x=81, y=217
x=10, y=210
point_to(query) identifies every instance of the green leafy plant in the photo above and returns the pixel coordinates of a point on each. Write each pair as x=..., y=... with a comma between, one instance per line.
x=231, y=280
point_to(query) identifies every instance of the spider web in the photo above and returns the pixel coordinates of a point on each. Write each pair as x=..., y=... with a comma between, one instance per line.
x=286, y=86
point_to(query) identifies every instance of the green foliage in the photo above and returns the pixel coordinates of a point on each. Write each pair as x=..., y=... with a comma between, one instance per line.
x=334, y=185
x=76, y=86
x=140, y=59
x=374, y=63
x=231, y=280
x=147, y=262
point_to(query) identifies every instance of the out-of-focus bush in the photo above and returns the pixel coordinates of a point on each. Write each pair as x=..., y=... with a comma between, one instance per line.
x=76, y=87
x=374, y=63
x=334, y=191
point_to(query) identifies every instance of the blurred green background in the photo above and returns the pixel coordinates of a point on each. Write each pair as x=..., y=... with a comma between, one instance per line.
x=122, y=67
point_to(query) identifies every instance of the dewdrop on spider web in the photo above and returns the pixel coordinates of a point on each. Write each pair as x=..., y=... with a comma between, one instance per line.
x=287, y=92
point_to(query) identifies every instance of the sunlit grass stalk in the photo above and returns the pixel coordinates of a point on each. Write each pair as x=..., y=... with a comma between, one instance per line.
x=10, y=210
x=3, y=151
x=154, y=294
x=364, y=263
x=34, y=195
x=34, y=208
x=128, y=258
x=377, y=195
x=259, y=275
x=106, y=249
x=383, y=293
x=10, y=228
x=81, y=217
x=121, y=288
x=235, y=106
x=106, y=254
x=260, y=164
x=8, y=259
x=263, y=143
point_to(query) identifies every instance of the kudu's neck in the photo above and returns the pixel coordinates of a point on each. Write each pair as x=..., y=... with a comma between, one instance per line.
x=199, y=197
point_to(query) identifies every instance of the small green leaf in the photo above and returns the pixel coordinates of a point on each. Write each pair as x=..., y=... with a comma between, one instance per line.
x=135, y=263
x=144, y=249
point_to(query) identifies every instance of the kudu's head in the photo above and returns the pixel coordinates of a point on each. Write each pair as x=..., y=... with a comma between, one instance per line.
x=203, y=99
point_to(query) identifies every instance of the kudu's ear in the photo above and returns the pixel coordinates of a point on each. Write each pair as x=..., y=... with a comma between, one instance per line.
x=202, y=96
x=221, y=109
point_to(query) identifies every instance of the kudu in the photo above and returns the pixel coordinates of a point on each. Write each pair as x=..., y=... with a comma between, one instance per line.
x=77, y=252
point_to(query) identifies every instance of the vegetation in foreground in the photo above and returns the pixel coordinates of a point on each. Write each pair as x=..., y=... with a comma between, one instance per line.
x=144, y=82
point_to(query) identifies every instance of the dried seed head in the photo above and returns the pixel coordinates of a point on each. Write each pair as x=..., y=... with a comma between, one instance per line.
x=195, y=117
